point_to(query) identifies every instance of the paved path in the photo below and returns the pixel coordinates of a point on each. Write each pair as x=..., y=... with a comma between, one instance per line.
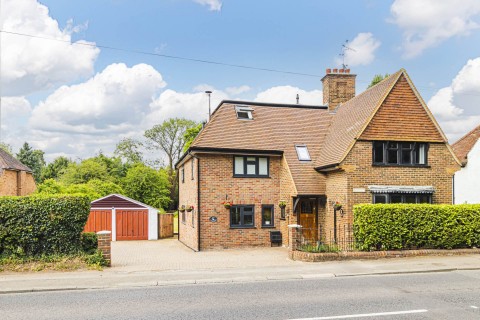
x=170, y=254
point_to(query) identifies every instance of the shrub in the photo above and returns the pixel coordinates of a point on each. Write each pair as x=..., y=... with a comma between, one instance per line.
x=320, y=248
x=89, y=242
x=415, y=226
x=42, y=225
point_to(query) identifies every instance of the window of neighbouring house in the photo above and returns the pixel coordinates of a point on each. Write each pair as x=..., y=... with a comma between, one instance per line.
x=242, y=216
x=244, y=112
x=193, y=168
x=250, y=166
x=402, y=198
x=267, y=215
x=183, y=174
x=302, y=153
x=400, y=153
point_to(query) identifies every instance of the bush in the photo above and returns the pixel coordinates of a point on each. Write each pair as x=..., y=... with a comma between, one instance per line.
x=320, y=248
x=89, y=242
x=42, y=225
x=416, y=226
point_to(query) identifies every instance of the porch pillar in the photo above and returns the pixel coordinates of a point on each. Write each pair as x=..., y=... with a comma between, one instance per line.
x=294, y=231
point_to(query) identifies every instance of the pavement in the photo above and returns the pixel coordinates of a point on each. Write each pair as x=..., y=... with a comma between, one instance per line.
x=168, y=262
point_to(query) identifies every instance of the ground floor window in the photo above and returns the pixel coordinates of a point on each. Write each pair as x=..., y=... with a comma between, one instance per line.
x=242, y=216
x=267, y=215
x=402, y=198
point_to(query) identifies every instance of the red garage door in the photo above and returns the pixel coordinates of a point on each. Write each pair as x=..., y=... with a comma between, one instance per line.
x=132, y=224
x=99, y=220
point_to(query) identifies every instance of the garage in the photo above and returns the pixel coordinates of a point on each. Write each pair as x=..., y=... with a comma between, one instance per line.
x=126, y=218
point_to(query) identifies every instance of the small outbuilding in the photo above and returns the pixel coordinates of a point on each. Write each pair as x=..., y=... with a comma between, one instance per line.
x=126, y=218
x=16, y=179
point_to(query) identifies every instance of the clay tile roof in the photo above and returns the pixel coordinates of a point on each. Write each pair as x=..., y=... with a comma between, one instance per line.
x=273, y=128
x=463, y=146
x=350, y=119
x=8, y=162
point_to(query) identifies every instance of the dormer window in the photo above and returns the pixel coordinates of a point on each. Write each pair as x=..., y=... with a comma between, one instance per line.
x=244, y=113
x=302, y=153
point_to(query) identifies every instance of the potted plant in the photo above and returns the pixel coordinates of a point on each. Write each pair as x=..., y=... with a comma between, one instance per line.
x=337, y=205
x=182, y=208
x=189, y=208
x=282, y=203
x=227, y=204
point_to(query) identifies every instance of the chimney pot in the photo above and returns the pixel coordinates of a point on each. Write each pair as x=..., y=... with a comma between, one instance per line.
x=347, y=70
x=335, y=70
x=329, y=71
x=341, y=70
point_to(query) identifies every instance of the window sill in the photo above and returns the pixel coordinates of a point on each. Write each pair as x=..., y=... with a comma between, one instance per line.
x=283, y=219
x=247, y=176
x=268, y=227
x=243, y=227
x=401, y=165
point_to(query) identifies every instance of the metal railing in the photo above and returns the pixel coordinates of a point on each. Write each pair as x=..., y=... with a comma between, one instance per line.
x=326, y=239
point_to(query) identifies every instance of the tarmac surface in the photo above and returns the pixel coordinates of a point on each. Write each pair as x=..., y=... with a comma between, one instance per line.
x=168, y=262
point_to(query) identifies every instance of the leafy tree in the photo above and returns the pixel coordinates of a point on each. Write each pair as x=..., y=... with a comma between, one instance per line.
x=93, y=189
x=33, y=159
x=148, y=185
x=190, y=135
x=6, y=147
x=377, y=78
x=50, y=186
x=169, y=137
x=129, y=150
x=85, y=171
x=104, y=188
x=115, y=168
x=54, y=169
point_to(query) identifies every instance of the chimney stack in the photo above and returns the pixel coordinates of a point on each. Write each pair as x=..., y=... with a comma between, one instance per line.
x=338, y=87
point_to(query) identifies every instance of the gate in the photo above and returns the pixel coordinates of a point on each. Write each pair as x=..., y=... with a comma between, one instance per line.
x=165, y=225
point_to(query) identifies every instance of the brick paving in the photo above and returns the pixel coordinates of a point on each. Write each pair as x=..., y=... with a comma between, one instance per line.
x=170, y=254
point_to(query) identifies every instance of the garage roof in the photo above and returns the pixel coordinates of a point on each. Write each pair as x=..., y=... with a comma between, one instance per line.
x=119, y=201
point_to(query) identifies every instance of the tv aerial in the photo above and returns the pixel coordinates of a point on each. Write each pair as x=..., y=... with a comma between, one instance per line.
x=344, y=49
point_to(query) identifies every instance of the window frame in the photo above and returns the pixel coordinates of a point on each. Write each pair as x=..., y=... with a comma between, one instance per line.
x=414, y=150
x=242, y=224
x=183, y=174
x=244, y=109
x=388, y=197
x=257, y=167
x=297, y=146
x=193, y=169
x=272, y=224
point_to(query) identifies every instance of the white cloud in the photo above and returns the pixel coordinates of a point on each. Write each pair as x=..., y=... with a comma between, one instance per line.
x=234, y=91
x=288, y=94
x=363, y=50
x=213, y=5
x=30, y=64
x=427, y=23
x=114, y=100
x=457, y=106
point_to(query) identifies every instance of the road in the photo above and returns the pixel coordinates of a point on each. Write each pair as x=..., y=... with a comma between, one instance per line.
x=444, y=295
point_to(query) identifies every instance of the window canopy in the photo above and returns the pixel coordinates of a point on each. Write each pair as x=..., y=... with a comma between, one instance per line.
x=401, y=189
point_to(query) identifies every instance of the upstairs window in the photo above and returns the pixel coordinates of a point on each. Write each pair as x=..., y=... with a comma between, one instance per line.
x=250, y=166
x=302, y=153
x=244, y=113
x=400, y=153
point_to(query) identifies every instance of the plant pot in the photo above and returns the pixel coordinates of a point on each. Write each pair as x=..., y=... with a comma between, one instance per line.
x=338, y=207
x=227, y=206
x=282, y=206
x=189, y=210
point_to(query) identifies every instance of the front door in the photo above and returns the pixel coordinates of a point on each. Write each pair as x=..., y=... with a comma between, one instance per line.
x=308, y=219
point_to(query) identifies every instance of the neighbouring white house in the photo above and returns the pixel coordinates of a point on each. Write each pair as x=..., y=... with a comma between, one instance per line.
x=467, y=179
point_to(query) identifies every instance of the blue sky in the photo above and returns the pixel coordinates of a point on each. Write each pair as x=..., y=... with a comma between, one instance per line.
x=76, y=100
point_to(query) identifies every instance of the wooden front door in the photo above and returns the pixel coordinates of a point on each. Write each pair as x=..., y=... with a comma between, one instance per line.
x=309, y=219
x=132, y=224
x=99, y=220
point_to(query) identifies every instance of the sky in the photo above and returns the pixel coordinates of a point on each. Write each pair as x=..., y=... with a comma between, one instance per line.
x=77, y=76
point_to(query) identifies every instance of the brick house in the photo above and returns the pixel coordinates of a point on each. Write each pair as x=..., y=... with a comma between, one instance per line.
x=16, y=179
x=381, y=146
x=466, y=186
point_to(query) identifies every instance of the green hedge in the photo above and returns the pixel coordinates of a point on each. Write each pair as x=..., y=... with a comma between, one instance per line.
x=37, y=225
x=416, y=226
x=89, y=241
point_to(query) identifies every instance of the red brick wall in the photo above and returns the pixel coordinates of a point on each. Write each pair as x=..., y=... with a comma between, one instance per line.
x=188, y=191
x=9, y=183
x=287, y=191
x=217, y=184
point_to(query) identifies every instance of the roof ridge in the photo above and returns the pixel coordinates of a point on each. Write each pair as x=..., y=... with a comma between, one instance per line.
x=466, y=135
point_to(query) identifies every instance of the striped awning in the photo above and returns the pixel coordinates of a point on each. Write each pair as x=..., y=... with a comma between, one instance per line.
x=401, y=189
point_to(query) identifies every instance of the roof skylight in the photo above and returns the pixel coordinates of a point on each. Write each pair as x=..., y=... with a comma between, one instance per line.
x=302, y=153
x=244, y=112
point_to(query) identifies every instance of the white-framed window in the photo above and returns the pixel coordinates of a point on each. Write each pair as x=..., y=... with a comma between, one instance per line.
x=244, y=112
x=302, y=153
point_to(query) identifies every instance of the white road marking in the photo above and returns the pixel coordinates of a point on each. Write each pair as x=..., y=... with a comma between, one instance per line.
x=474, y=307
x=365, y=315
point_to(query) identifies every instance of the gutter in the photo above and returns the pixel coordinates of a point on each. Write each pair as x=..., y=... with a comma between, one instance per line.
x=330, y=167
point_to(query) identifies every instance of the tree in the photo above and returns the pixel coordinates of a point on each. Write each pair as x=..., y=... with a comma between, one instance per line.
x=128, y=149
x=169, y=137
x=190, y=135
x=33, y=159
x=6, y=147
x=85, y=171
x=377, y=78
x=55, y=169
x=147, y=185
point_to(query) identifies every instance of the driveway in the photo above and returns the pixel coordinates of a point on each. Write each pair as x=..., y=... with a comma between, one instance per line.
x=170, y=254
